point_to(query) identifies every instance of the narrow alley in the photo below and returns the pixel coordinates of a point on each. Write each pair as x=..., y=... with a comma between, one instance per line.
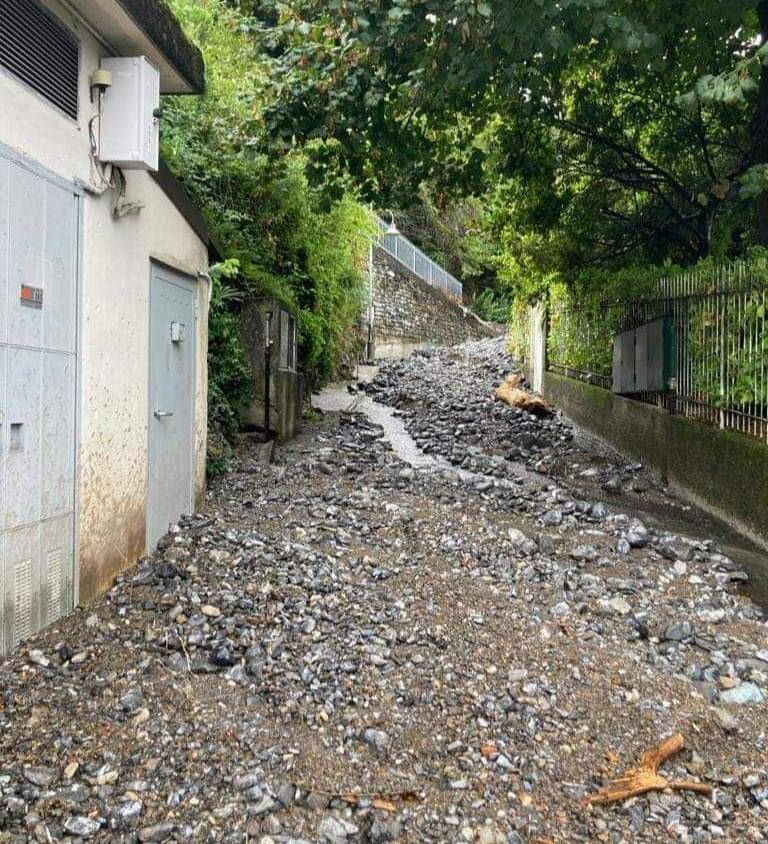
x=346, y=647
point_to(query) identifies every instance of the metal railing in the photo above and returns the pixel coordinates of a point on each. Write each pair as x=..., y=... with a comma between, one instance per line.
x=421, y=265
x=721, y=366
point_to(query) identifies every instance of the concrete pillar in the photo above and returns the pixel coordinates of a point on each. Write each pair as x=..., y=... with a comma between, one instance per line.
x=538, y=345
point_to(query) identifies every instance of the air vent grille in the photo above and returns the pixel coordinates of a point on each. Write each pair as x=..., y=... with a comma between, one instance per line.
x=55, y=571
x=40, y=52
x=22, y=601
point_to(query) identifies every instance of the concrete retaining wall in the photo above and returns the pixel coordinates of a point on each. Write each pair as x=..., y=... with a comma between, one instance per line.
x=723, y=472
x=409, y=314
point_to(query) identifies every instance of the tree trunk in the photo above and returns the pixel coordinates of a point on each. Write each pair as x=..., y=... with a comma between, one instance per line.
x=759, y=129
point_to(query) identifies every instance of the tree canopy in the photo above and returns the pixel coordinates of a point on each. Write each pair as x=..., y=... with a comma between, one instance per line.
x=524, y=144
x=613, y=130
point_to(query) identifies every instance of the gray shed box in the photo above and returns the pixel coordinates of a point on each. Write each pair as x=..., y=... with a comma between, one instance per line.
x=644, y=358
x=269, y=334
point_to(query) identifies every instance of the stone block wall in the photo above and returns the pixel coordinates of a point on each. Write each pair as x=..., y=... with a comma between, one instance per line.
x=409, y=314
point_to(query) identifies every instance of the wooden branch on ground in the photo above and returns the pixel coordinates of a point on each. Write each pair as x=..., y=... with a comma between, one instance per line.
x=644, y=776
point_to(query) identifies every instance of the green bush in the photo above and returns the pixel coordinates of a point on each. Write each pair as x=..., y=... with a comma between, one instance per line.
x=303, y=242
x=729, y=329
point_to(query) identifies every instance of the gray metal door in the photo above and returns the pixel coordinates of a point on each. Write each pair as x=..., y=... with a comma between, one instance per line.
x=173, y=328
x=39, y=224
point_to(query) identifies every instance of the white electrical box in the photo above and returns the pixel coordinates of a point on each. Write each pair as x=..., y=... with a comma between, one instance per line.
x=130, y=127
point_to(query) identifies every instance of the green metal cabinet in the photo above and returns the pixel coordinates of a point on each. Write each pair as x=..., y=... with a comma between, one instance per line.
x=645, y=358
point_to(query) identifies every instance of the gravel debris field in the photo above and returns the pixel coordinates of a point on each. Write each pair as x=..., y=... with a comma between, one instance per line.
x=348, y=648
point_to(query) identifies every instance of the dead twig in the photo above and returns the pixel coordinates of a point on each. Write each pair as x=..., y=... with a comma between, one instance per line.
x=186, y=653
x=644, y=776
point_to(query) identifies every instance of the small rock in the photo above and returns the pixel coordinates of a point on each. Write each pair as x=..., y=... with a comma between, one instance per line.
x=335, y=831
x=552, y=518
x=81, y=826
x=712, y=616
x=265, y=805
x=724, y=719
x=619, y=606
x=40, y=775
x=157, y=832
x=377, y=739
x=678, y=632
x=127, y=811
x=520, y=542
x=637, y=535
x=745, y=693
x=39, y=658
x=132, y=700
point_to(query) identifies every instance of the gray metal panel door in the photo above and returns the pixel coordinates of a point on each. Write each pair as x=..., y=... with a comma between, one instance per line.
x=39, y=220
x=641, y=359
x=173, y=328
x=655, y=355
x=624, y=362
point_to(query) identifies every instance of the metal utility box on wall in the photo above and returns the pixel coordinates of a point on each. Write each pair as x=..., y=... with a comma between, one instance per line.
x=270, y=339
x=39, y=233
x=130, y=127
x=644, y=358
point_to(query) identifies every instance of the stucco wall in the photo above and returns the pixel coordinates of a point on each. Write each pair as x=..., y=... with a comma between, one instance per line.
x=114, y=324
x=410, y=314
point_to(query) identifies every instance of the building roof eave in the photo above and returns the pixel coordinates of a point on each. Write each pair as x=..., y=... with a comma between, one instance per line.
x=149, y=28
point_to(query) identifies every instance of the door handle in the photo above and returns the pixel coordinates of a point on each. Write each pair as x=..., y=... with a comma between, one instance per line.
x=17, y=436
x=163, y=414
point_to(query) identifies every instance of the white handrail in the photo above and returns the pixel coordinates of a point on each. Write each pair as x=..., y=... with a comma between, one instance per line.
x=434, y=274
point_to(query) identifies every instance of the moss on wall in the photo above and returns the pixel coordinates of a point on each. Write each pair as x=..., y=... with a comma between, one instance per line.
x=725, y=472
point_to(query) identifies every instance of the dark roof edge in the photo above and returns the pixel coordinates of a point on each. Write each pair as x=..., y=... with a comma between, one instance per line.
x=158, y=23
x=174, y=190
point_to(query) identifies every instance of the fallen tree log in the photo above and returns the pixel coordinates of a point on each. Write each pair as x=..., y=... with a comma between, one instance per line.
x=510, y=393
x=644, y=776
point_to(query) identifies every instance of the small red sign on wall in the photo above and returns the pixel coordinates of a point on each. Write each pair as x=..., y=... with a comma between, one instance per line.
x=31, y=297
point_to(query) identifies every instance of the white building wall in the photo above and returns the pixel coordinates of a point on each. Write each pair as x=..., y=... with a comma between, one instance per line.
x=114, y=324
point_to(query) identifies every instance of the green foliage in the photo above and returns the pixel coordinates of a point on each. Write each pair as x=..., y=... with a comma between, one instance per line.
x=337, y=252
x=584, y=133
x=290, y=225
x=230, y=384
x=518, y=334
x=585, y=315
x=575, y=152
x=728, y=338
x=491, y=305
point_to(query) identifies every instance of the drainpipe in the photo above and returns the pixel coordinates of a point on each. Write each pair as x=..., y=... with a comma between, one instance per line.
x=208, y=281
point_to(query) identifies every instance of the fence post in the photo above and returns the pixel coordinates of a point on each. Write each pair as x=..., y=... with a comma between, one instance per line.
x=537, y=315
